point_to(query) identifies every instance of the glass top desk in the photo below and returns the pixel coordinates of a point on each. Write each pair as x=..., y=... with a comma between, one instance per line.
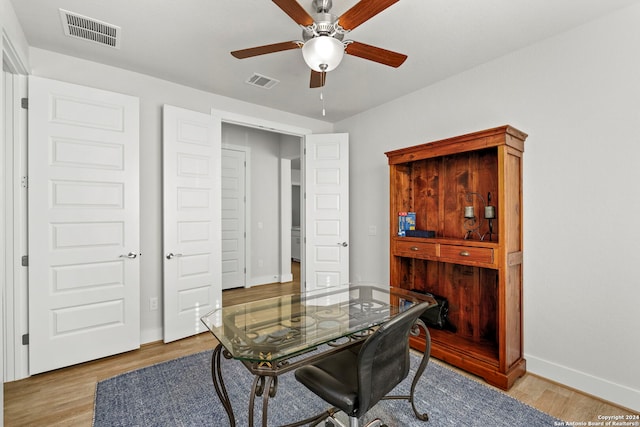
x=276, y=335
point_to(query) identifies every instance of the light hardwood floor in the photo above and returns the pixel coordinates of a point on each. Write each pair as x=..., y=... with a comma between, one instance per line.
x=65, y=397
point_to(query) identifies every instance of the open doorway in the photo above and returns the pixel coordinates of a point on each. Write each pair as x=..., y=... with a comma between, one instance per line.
x=272, y=163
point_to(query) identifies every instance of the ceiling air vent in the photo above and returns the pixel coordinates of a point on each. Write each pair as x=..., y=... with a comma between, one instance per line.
x=262, y=81
x=90, y=29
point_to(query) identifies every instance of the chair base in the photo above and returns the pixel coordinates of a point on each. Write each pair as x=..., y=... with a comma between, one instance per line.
x=332, y=421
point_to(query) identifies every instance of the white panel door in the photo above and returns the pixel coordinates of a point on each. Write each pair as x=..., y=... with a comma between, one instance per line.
x=233, y=218
x=326, y=171
x=84, y=240
x=191, y=208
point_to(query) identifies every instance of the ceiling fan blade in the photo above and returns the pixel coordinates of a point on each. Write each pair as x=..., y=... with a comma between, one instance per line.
x=262, y=50
x=362, y=12
x=377, y=54
x=295, y=11
x=318, y=79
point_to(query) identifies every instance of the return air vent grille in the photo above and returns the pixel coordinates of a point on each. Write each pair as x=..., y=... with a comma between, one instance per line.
x=262, y=81
x=90, y=29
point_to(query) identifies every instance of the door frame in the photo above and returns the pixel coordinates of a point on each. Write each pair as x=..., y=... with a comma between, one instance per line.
x=14, y=309
x=247, y=204
x=281, y=128
x=285, y=218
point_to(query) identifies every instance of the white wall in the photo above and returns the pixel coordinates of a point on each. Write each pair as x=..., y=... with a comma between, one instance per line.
x=153, y=93
x=11, y=30
x=577, y=95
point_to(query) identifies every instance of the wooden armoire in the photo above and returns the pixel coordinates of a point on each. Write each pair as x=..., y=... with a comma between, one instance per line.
x=466, y=192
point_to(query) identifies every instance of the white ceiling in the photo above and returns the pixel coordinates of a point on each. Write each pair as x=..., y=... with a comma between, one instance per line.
x=188, y=42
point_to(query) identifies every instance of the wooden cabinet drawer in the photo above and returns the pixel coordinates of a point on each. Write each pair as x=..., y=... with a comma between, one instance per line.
x=415, y=249
x=466, y=254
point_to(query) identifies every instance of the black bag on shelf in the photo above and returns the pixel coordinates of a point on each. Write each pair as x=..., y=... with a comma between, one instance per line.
x=436, y=316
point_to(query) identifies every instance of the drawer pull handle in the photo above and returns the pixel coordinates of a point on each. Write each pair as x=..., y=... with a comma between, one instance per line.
x=464, y=253
x=414, y=248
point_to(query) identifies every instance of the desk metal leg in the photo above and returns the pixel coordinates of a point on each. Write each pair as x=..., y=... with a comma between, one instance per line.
x=218, y=383
x=265, y=386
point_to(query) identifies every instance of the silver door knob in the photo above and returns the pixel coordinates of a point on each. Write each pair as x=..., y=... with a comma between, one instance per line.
x=344, y=244
x=171, y=255
x=130, y=255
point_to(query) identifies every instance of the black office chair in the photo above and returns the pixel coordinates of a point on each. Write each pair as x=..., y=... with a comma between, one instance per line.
x=354, y=380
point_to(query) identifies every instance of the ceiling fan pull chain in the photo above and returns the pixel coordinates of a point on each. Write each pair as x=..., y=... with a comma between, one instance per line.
x=323, y=76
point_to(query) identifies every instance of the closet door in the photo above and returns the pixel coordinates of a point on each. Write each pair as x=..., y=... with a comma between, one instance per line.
x=191, y=212
x=84, y=240
x=326, y=172
x=233, y=218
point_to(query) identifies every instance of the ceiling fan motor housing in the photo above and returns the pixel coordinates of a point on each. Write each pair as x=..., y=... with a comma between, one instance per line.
x=324, y=25
x=322, y=6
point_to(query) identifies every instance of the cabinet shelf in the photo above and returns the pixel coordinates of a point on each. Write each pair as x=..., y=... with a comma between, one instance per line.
x=484, y=350
x=481, y=278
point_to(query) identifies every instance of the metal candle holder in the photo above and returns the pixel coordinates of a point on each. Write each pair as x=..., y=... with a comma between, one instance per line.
x=490, y=215
x=472, y=223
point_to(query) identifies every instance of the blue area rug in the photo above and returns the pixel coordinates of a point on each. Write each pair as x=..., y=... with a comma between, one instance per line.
x=181, y=393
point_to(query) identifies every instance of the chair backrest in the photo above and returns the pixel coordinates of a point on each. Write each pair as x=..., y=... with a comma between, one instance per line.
x=383, y=360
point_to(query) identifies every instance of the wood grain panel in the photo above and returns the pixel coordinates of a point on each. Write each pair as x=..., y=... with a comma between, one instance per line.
x=415, y=248
x=425, y=180
x=466, y=255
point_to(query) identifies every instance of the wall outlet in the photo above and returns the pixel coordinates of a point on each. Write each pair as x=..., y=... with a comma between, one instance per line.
x=153, y=303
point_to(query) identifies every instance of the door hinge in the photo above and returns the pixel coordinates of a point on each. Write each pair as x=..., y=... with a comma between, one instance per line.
x=25, y=339
x=24, y=103
x=25, y=260
x=24, y=182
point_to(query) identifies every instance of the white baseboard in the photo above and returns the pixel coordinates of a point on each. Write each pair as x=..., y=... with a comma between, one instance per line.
x=276, y=278
x=264, y=280
x=151, y=335
x=599, y=387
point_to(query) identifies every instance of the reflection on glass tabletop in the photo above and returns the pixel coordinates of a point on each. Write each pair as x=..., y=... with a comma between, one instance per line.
x=281, y=327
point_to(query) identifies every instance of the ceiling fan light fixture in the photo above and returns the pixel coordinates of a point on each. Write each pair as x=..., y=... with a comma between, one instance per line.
x=323, y=53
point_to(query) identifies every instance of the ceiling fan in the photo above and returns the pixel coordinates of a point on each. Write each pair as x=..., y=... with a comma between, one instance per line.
x=323, y=44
